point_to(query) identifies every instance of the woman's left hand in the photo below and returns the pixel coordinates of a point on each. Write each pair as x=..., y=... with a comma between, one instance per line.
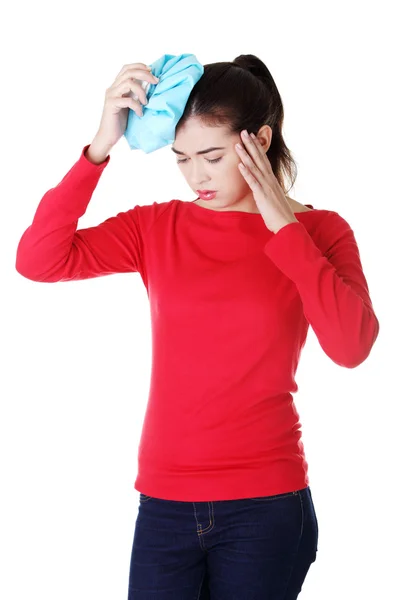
x=268, y=194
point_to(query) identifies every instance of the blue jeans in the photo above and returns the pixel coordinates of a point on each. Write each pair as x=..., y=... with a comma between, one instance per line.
x=248, y=549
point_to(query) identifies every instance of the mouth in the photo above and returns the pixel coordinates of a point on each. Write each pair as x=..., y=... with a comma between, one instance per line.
x=206, y=194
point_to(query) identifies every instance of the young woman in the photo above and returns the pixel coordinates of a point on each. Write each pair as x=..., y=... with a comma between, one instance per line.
x=234, y=280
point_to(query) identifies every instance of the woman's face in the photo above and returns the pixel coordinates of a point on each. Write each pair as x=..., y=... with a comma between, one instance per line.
x=215, y=170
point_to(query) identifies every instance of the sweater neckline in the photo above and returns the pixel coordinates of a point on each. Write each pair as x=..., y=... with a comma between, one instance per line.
x=209, y=212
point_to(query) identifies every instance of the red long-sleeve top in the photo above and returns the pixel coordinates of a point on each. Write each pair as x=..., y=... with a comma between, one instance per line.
x=230, y=304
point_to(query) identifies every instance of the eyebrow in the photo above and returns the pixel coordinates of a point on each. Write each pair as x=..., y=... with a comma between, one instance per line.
x=201, y=151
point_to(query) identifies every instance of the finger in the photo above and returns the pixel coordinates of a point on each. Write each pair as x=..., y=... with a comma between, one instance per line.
x=247, y=160
x=261, y=150
x=249, y=177
x=253, y=147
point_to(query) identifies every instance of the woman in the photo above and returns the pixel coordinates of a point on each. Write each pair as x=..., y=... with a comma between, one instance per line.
x=234, y=280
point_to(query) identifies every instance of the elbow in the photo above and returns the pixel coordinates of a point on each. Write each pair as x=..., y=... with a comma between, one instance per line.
x=26, y=270
x=22, y=267
x=356, y=358
x=362, y=350
x=349, y=362
x=356, y=361
x=27, y=274
x=33, y=264
x=23, y=259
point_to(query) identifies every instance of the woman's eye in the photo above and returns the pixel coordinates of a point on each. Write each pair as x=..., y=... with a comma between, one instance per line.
x=183, y=160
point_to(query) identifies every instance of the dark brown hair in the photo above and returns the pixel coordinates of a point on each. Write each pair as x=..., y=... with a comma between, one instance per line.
x=242, y=95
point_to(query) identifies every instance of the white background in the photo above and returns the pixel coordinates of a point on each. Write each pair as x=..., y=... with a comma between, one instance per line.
x=76, y=356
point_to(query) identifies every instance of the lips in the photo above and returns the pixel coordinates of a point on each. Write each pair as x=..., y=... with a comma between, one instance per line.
x=205, y=191
x=206, y=195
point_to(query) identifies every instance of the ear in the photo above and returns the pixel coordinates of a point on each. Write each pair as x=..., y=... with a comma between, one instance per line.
x=264, y=136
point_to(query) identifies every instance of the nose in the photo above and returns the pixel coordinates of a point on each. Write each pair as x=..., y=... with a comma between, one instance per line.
x=199, y=178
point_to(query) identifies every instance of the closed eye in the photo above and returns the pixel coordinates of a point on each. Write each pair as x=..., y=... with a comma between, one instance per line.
x=182, y=160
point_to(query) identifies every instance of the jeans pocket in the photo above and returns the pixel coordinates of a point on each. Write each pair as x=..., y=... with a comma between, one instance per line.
x=144, y=498
x=275, y=497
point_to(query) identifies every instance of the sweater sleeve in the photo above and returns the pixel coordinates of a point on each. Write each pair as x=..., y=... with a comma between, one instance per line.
x=332, y=287
x=52, y=249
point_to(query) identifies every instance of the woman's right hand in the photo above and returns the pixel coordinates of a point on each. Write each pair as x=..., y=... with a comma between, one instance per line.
x=118, y=101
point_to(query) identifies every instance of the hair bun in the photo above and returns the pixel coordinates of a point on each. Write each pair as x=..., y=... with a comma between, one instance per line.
x=252, y=63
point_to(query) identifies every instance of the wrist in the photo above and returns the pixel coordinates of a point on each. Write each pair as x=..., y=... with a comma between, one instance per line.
x=98, y=151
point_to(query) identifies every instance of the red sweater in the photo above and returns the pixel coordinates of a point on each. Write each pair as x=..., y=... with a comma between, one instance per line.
x=230, y=303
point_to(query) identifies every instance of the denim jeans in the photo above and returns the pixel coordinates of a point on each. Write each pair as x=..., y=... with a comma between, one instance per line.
x=249, y=549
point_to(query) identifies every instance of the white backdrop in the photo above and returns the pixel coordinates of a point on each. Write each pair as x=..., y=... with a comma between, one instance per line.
x=76, y=356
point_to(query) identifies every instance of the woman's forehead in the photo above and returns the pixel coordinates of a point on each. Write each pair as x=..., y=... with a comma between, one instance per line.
x=200, y=134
